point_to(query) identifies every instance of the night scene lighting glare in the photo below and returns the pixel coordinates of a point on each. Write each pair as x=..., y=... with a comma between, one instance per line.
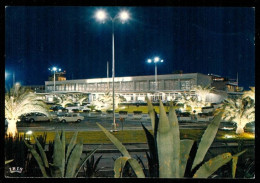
x=124, y=15
x=155, y=60
x=101, y=15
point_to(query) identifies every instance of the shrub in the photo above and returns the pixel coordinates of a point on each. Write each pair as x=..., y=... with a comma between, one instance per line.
x=66, y=158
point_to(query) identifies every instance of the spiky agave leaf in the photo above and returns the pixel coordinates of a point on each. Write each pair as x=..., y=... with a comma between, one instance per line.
x=212, y=165
x=152, y=157
x=234, y=162
x=207, y=139
x=133, y=162
x=166, y=147
x=8, y=161
x=82, y=161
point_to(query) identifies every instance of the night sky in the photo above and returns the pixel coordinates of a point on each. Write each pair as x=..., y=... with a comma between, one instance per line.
x=217, y=40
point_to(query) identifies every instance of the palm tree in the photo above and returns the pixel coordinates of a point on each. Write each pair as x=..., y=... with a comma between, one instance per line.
x=106, y=101
x=63, y=100
x=80, y=98
x=202, y=92
x=250, y=94
x=239, y=111
x=19, y=101
x=192, y=101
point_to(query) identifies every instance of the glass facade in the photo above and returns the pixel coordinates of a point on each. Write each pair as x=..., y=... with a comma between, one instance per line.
x=139, y=84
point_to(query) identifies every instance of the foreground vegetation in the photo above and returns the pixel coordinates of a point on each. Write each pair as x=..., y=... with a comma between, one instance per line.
x=171, y=157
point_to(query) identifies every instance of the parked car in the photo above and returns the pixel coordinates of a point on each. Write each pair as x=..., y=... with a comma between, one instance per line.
x=70, y=117
x=32, y=117
x=71, y=107
x=59, y=108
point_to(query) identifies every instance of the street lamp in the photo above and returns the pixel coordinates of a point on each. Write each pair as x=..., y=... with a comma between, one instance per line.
x=54, y=69
x=155, y=60
x=122, y=16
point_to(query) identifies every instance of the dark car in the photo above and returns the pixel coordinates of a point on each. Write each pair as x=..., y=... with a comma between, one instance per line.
x=58, y=108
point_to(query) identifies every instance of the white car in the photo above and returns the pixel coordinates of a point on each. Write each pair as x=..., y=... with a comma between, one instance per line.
x=37, y=117
x=70, y=117
x=71, y=107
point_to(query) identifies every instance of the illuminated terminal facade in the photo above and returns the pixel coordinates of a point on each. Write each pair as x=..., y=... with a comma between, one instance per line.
x=168, y=87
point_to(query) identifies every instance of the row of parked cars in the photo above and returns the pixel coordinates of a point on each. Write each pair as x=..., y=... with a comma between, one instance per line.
x=68, y=117
x=70, y=108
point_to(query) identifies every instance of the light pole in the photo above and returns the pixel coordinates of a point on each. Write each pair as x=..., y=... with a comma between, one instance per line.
x=102, y=16
x=54, y=69
x=155, y=60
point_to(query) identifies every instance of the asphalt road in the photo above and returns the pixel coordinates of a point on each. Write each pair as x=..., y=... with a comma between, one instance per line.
x=89, y=124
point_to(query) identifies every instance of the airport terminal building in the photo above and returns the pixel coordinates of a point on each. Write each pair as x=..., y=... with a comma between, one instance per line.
x=168, y=87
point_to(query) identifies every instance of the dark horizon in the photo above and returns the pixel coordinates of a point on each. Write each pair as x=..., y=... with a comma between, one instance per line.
x=217, y=40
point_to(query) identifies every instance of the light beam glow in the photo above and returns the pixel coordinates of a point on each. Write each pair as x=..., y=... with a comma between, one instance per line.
x=101, y=15
x=156, y=59
x=124, y=15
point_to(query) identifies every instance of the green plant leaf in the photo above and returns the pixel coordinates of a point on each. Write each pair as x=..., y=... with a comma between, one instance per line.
x=165, y=147
x=188, y=173
x=55, y=171
x=57, y=152
x=8, y=161
x=151, y=112
x=234, y=162
x=96, y=163
x=43, y=154
x=136, y=167
x=212, y=165
x=164, y=125
x=37, y=158
x=207, y=139
x=124, y=151
x=74, y=160
x=173, y=120
x=82, y=162
x=71, y=145
x=234, y=166
x=185, y=148
x=153, y=161
x=63, y=144
x=119, y=166
x=115, y=141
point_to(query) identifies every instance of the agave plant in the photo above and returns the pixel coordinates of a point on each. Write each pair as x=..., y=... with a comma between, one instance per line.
x=19, y=101
x=239, y=111
x=66, y=158
x=187, y=159
x=171, y=157
x=90, y=168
